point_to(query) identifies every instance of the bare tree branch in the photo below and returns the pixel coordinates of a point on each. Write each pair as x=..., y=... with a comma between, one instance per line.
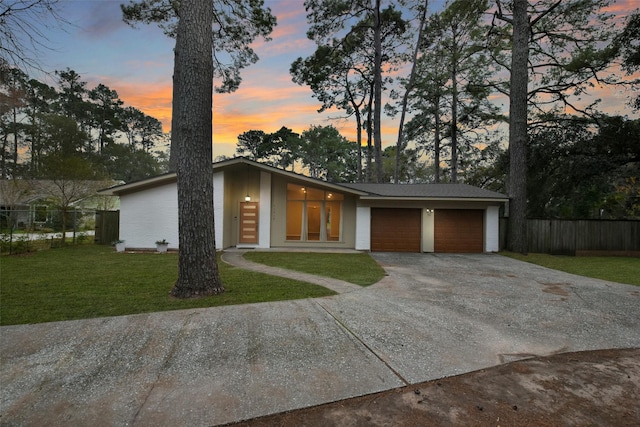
x=23, y=29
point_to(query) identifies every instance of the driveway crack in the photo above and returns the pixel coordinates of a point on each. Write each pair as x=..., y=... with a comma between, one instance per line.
x=163, y=365
x=365, y=345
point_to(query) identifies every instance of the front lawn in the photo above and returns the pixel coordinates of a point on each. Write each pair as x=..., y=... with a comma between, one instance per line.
x=94, y=281
x=357, y=268
x=614, y=269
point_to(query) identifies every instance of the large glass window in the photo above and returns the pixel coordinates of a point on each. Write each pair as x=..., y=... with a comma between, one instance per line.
x=313, y=214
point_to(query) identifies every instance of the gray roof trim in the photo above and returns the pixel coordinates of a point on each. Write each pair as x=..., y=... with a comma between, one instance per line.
x=426, y=192
x=432, y=199
x=134, y=186
x=365, y=191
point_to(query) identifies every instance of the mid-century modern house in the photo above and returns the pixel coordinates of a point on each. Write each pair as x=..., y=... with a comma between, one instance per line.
x=260, y=206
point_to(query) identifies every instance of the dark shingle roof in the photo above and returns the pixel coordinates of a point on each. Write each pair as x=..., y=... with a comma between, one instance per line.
x=453, y=191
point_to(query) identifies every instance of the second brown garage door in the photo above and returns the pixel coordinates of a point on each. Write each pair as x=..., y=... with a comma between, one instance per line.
x=395, y=230
x=458, y=230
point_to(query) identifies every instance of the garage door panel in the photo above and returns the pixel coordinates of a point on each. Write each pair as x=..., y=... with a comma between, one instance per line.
x=457, y=230
x=395, y=230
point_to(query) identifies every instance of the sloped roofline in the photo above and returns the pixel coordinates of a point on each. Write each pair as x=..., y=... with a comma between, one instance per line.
x=171, y=177
x=370, y=192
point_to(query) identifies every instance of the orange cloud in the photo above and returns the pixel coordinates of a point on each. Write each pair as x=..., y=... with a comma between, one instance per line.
x=152, y=98
x=253, y=107
x=622, y=7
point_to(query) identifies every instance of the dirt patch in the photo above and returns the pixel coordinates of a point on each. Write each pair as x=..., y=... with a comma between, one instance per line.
x=585, y=388
x=556, y=288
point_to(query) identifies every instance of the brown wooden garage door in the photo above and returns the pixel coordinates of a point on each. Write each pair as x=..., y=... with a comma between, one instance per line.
x=395, y=230
x=458, y=230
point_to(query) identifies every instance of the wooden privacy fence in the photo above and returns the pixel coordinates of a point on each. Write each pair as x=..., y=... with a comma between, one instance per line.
x=580, y=237
x=107, y=227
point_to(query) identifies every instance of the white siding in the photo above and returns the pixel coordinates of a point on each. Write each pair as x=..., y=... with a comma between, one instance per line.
x=148, y=216
x=363, y=228
x=264, y=226
x=428, y=230
x=218, y=209
x=491, y=229
x=152, y=214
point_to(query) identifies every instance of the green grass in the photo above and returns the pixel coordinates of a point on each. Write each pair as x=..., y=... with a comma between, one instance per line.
x=614, y=269
x=94, y=281
x=357, y=268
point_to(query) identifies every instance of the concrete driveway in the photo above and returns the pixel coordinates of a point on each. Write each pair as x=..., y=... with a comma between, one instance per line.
x=433, y=316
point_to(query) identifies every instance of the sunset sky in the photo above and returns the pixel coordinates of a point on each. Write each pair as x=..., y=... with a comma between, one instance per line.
x=138, y=64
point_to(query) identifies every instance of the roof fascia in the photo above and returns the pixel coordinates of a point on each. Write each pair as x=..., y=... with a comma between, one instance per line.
x=433, y=199
x=220, y=166
x=139, y=185
x=290, y=175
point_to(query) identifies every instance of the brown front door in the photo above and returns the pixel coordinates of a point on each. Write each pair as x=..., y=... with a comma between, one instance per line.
x=248, y=222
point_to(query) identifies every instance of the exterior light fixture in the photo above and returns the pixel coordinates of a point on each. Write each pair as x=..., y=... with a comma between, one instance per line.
x=247, y=198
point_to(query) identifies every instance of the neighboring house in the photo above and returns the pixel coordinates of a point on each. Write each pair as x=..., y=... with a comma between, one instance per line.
x=22, y=205
x=260, y=206
x=32, y=204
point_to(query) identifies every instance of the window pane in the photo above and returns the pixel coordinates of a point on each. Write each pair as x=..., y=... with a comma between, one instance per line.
x=41, y=213
x=333, y=216
x=295, y=192
x=315, y=194
x=314, y=214
x=294, y=220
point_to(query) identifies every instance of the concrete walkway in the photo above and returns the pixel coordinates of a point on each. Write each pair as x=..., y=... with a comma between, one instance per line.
x=237, y=259
x=432, y=317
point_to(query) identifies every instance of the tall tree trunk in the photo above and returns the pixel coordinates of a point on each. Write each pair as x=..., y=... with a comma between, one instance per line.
x=454, y=102
x=454, y=125
x=405, y=98
x=3, y=162
x=35, y=152
x=370, y=137
x=356, y=110
x=174, y=148
x=192, y=103
x=15, y=141
x=359, y=142
x=377, y=89
x=436, y=142
x=517, y=182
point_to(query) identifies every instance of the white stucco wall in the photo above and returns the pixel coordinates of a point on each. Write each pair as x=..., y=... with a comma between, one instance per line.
x=492, y=229
x=152, y=214
x=264, y=225
x=148, y=216
x=363, y=228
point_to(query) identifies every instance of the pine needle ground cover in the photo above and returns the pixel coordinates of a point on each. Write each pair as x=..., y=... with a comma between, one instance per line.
x=90, y=281
x=614, y=269
x=357, y=268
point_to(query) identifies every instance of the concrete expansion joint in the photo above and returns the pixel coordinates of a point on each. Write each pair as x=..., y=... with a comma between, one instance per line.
x=165, y=362
x=365, y=345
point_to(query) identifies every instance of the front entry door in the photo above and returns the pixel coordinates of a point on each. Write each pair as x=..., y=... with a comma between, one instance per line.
x=248, y=222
